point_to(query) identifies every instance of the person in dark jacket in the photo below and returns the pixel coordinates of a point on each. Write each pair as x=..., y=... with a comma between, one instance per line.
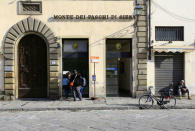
x=76, y=78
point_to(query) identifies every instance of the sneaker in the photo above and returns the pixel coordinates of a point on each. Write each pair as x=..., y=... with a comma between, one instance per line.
x=189, y=98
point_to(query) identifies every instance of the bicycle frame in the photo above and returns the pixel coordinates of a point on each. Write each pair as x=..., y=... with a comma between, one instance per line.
x=158, y=100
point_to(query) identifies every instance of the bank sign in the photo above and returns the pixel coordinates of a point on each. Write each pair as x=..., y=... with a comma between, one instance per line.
x=93, y=17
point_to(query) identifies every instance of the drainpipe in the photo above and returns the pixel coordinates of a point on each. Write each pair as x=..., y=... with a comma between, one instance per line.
x=149, y=30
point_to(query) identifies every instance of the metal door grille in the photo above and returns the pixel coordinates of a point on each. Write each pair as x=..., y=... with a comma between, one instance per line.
x=169, y=67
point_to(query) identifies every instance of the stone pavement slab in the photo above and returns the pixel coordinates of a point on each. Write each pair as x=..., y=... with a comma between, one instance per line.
x=109, y=103
x=99, y=120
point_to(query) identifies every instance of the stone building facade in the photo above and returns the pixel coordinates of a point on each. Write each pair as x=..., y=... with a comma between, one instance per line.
x=42, y=40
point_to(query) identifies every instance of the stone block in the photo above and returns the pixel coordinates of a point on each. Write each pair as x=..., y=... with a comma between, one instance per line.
x=141, y=56
x=12, y=31
x=41, y=26
x=142, y=50
x=144, y=12
x=9, y=86
x=142, y=88
x=142, y=72
x=48, y=33
x=45, y=29
x=53, y=50
x=55, y=45
x=141, y=29
x=53, y=86
x=141, y=2
x=9, y=56
x=53, y=68
x=10, y=36
x=25, y=23
x=142, y=77
x=142, y=82
x=31, y=23
x=50, y=36
x=8, y=98
x=142, y=34
x=54, y=56
x=142, y=39
x=141, y=23
x=141, y=45
x=53, y=80
x=54, y=92
x=142, y=66
x=140, y=93
x=9, y=92
x=20, y=25
x=52, y=40
x=16, y=28
x=54, y=74
x=9, y=50
x=142, y=61
x=9, y=80
x=9, y=62
x=7, y=40
x=144, y=7
x=9, y=45
x=36, y=25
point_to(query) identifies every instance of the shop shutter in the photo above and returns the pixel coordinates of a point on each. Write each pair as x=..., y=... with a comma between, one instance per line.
x=169, y=67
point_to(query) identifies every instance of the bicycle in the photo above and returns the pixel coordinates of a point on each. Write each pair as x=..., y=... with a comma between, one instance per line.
x=165, y=102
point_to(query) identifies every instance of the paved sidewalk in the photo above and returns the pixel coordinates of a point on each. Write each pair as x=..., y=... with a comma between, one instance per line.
x=109, y=103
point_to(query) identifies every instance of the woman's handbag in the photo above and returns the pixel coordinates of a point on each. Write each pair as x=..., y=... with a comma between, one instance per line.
x=72, y=83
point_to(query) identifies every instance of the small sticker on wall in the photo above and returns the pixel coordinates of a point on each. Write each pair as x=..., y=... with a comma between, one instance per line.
x=53, y=62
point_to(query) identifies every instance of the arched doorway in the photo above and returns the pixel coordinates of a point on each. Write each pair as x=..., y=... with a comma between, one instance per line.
x=32, y=67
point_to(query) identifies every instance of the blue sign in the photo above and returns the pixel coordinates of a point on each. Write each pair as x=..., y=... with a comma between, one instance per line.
x=112, y=69
x=93, y=77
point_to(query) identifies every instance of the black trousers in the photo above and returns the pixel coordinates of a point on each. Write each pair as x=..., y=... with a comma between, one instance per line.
x=76, y=91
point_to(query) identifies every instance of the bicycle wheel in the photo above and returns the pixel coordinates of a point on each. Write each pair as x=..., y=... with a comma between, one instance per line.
x=145, y=102
x=169, y=103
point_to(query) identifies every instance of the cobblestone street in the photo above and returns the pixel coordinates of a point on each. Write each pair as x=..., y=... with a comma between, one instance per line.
x=118, y=120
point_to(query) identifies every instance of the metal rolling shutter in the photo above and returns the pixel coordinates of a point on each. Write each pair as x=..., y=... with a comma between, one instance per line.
x=169, y=67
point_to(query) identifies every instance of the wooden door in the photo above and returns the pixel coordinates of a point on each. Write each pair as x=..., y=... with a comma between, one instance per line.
x=32, y=67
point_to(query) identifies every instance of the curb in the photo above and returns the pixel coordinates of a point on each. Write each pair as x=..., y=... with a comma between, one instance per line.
x=74, y=109
x=69, y=109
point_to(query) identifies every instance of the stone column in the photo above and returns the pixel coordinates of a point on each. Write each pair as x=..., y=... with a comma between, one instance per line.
x=141, y=28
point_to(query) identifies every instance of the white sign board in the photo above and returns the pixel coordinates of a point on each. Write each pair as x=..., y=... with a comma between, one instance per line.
x=64, y=72
x=94, y=59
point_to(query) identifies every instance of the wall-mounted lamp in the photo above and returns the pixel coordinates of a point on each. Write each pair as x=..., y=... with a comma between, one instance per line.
x=138, y=10
x=58, y=45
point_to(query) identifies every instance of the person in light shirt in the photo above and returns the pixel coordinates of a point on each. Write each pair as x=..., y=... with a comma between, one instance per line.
x=183, y=89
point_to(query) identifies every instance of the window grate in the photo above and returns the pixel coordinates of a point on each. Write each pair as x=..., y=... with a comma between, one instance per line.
x=169, y=33
x=31, y=7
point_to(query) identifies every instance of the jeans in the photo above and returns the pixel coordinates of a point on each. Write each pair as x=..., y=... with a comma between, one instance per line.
x=67, y=90
x=180, y=91
x=76, y=91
